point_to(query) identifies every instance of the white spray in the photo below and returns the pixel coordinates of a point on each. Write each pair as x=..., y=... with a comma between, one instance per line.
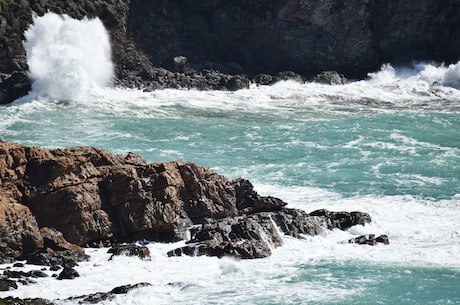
x=67, y=57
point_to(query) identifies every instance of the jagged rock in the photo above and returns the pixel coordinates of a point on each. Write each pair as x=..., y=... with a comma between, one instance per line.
x=18, y=301
x=289, y=75
x=54, y=240
x=370, y=239
x=22, y=274
x=14, y=86
x=11, y=278
x=295, y=222
x=103, y=296
x=342, y=220
x=330, y=78
x=237, y=82
x=130, y=250
x=263, y=79
x=253, y=236
x=68, y=273
x=248, y=201
x=86, y=196
x=90, y=195
x=19, y=233
x=49, y=257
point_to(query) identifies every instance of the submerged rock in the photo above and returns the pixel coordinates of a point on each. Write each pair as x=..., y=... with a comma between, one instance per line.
x=130, y=250
x=370, y=239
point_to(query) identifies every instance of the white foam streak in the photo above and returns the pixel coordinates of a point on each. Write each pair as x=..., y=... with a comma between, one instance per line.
x=67, y=57
x=419, y=230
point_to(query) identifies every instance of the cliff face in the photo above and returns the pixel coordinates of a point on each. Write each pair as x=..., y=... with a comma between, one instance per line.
x=305, y=36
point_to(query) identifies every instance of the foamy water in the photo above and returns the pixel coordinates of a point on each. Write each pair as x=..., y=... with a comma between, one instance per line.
x=67, y=57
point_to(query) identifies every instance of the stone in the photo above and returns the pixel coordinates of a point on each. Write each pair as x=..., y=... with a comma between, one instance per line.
x=342, y=220
x=237, y=82
x=248, y=237
x=295, y=222
x=383, y=239
x=130, y=250
x=7, y=284
x=98, y=297
x=370, y=239
x=18, y=301
x=330, y=78
x=248, y=201
x=68, y=273
x=14, y=86
x=263, y=79
x=19, y=231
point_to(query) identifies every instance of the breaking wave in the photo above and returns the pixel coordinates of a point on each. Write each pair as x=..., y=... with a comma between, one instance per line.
x=67, y=57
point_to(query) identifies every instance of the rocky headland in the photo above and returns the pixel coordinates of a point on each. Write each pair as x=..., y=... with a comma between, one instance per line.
x=56, y=202
x=228, y=44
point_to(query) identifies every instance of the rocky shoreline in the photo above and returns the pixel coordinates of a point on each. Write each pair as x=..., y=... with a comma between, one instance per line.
x=54, y=203
x=226, y=45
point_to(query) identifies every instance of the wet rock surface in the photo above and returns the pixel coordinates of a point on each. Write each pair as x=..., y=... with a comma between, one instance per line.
x=370, y=239
x=130, y=250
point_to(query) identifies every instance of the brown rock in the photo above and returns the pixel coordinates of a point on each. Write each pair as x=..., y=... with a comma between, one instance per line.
x=19, y=233
x=94, y=197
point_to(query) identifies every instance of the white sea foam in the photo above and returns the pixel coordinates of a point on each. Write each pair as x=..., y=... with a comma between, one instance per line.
x=67, y=57
x=419, y=229
x=422, y=234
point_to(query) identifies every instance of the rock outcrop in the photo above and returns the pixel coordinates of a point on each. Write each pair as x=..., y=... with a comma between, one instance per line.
x=177, y=43
x=55, y=201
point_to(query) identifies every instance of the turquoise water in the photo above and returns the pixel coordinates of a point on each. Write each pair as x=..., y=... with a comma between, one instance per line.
x=314, y=146
x=349, y=152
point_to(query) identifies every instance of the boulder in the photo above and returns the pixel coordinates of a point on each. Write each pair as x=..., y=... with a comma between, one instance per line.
x=370, y=239
x=248, y=237
x=14, y=86
x=237, y=82
x=68, y=273
x=19, y=232
x=130, y=250
x=330, y=78
x=295, y=222
x=263, y=79
x=248, y=201
x=342, y=220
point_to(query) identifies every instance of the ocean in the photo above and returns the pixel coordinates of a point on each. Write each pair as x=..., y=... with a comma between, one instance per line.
x=388, y=145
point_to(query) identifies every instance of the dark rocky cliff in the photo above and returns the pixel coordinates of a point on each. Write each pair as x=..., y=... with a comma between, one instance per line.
x=247, y=37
